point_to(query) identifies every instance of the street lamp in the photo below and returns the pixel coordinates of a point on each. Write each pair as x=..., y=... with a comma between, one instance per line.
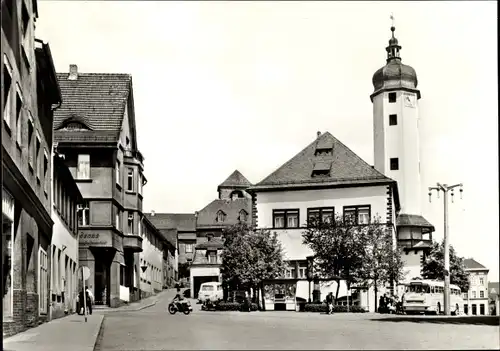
x=445, y=188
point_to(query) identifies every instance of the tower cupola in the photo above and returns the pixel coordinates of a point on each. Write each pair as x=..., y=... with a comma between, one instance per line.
x=394, y=75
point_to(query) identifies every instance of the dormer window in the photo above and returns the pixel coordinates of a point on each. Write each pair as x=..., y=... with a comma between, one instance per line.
x=321, y=169
x=243, y=216
x=221, y=216
x=324, y=148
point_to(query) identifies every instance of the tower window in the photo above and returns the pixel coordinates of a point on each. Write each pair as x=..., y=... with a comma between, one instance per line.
x=392, y=98
x=394, y=164
x=393, y=120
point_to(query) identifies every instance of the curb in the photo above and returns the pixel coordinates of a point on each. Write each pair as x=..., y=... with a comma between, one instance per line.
x=99, y=336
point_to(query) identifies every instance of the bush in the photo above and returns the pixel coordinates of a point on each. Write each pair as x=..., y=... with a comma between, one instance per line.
x=234, y=306
x=321, y=307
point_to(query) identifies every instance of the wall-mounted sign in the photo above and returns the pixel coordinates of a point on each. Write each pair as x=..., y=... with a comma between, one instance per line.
x=95, y=239
x=409, y=99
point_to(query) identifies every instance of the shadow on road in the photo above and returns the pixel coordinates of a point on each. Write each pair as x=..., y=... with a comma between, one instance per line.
x=482, y=320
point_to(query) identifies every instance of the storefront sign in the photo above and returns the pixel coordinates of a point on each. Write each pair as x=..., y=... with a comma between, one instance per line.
x=7, y=204
x=95, y=239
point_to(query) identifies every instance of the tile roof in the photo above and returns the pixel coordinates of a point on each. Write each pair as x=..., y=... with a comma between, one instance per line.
x=236, y=179
x=214, y=243
x=413, y=221
x=208, y=215
x=471, y=263
x=170, y=235
x=183, y=222
x=346, y=167
x=97, y=100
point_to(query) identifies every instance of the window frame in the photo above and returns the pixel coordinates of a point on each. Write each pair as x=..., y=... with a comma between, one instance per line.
x=395, y=166
x=118, y=172
x=31, y=125
x=392, y=95
x=190, y=246
x=320, y=214
x=356, y=209
x=38, y=146
x=286, y=213
x=46, y=167
x=7, y=93
x=84, y=208
x=393, y=119
x=83, y=174
x=19, y=115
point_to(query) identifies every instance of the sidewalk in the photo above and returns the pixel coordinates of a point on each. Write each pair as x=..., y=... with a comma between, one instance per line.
x=62, y=334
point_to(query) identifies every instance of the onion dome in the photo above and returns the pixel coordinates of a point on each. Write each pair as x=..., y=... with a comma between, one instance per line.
x=394, y=74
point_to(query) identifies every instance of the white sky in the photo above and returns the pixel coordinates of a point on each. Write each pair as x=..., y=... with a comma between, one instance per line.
x=220, y=86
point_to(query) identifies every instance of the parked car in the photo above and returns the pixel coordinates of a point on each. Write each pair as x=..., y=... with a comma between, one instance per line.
x=210, y=291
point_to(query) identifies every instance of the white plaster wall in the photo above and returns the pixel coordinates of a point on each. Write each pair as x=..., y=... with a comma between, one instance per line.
x=291, y=239
x=401, y=141
x=154, y=256
x=412, y=264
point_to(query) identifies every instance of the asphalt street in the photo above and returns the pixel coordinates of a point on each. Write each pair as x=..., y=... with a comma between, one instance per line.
x=155, y=329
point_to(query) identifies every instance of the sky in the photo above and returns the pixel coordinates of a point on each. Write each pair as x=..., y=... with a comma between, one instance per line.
x=220, y=86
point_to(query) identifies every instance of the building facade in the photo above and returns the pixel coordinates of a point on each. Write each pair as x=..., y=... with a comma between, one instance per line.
x=29, y=95
x=170, y=226
x=397, y=151
x=476, y=300
x=66, y=198
x=151, y=260
x=493, y=289
x=233, y=206
x=324, y=179
x=95, y=131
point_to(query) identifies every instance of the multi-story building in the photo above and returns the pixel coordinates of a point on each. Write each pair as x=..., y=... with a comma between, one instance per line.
x=66, y=197
x=95, y=131
x=493, y=289
x=29, y=95
x=476, y=300
x=151, y=259
x=170, y=226
x=324, y=179
x=233, y=206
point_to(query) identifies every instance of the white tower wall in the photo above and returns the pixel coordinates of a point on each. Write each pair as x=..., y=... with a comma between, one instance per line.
x=399, y=141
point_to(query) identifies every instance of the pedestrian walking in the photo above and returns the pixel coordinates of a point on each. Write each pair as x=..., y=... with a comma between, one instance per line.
x=329, y=302
x=90, y=299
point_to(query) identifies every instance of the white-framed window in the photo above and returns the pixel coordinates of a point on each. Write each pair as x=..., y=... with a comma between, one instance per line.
x=473, y=294
x=38, y=145
x=212, y=257
x=31, y=131
x=481, y=293
x=7, y=84
x=43, y=284
x=243, y=216
x=221, y=216
x=118, y=173
x=130, y=222
x=83, y=213
x=481, y=281
x=130, y=179
x=139, y=227
x=189, y=248
x=19, y=110
x=46, y=177
x=302, y=272
x=83, y=167
x=139, y=183
x=117, y=219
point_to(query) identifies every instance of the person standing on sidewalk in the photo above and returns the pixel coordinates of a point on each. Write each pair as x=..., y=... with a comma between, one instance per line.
x=90, y=299
x=329, y=302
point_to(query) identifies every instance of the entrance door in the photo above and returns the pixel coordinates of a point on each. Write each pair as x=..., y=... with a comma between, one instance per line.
x=101, y=283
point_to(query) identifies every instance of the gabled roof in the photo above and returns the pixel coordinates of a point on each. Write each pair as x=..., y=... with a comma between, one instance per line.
x=235, y=180
x=95, y=99
x=214, y=243
x=472, y=264
x=408, y=220
x=207, y=217
x=345, y=168
x=183, y=222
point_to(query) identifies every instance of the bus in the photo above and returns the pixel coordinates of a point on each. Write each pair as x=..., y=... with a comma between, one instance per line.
x=427, y=296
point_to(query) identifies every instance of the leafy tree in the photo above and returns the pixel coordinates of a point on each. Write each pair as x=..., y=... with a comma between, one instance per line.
x=433, y=266
x=250, y=257
x=382, y=260
x=338, y=250
x=184, y=270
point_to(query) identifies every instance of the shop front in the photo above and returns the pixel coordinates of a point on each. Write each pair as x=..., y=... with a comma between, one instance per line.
x=280, y=295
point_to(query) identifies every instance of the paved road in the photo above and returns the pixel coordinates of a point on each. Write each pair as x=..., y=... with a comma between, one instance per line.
x=155, y=329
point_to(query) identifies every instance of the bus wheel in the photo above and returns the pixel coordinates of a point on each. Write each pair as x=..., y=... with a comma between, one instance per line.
x=438, y=308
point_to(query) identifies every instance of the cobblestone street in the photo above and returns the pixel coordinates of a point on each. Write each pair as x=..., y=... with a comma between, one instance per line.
x=155, y=329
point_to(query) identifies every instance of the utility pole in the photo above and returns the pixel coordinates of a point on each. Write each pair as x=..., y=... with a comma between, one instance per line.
x=445, y=188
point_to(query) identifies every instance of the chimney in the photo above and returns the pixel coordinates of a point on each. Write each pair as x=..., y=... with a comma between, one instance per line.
x=318, y=134
x=152, y=213
x=73, y=72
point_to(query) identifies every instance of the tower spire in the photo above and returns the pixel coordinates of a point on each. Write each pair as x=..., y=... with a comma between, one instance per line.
x=393, y=48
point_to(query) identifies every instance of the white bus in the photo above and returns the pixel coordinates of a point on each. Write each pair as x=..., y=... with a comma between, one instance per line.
x=427, y=296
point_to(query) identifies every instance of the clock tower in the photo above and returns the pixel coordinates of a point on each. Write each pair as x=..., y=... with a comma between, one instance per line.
x=397, y=150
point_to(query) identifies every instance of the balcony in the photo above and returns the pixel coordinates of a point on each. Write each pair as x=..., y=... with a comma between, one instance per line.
x=132, y=243
x=410, y=244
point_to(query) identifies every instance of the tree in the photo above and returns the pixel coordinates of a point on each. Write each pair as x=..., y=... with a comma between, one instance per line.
x=184, y=270
x=250, y=257
x=433, y=266
x=382, y=260
x=338, y=249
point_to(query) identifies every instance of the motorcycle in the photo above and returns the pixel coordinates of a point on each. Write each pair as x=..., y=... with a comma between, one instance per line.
x=180, y=306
